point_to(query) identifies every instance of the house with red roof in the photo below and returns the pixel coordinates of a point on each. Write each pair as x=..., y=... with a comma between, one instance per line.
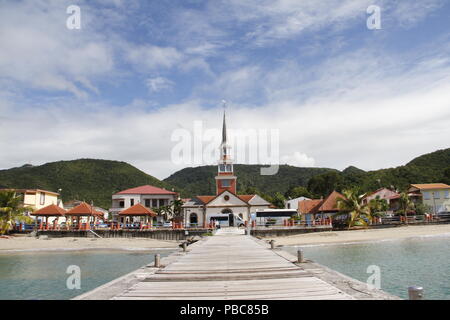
x=226, y=206
x=322, y=208
x=150, y=197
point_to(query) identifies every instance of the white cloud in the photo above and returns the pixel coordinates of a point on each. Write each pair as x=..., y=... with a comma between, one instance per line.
x=159, y=83
x=153, y=57
x=298, y=159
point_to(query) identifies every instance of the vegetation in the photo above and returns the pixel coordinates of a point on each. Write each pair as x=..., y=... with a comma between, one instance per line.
x=354, y=209
x=84, y=179
x=11, y=210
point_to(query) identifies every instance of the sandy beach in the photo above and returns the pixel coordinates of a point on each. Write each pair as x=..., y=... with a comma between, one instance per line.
x=331, y=237
x=23, y=243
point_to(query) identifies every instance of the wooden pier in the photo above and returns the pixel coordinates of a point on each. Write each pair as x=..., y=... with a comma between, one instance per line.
x=231, y=265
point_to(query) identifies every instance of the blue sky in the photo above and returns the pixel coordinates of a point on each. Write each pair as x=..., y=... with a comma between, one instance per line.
x=339, y=93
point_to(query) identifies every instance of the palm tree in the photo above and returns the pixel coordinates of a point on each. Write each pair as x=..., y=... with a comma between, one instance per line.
x=378, y=207
x=405, y=204
x=11, y=210
x=354, y=208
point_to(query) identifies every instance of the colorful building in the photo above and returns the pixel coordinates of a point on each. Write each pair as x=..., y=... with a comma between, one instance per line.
x=434, y=195
x=149, y=196
x=319, y=208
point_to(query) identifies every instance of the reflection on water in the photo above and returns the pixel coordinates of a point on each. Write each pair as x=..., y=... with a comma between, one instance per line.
x=417, y=261
x=43, y=275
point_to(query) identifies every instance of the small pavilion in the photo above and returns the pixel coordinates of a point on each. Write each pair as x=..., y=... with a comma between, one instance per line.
x=138, y=210
x=49, y=212
x=83, y=210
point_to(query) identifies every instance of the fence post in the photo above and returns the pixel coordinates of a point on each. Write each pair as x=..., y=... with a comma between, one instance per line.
x=415, y=293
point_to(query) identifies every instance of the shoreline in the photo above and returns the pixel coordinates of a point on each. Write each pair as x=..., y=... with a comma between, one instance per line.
x=16, y=245
x=350, y=237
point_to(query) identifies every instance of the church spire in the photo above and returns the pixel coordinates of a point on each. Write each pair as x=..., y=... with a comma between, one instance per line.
x=224, y=125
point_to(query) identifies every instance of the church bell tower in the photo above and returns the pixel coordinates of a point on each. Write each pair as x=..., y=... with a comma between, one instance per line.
x=225, y=179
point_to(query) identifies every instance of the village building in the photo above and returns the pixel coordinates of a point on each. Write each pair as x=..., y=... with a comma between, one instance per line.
x=319, y=208
x=434, y=195
x=150, y=197
x=293, y=203
x=226, y=206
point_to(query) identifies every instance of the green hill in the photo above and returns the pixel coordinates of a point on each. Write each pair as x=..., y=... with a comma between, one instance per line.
x=200, y=180
x=432, y=167
x=84, y=179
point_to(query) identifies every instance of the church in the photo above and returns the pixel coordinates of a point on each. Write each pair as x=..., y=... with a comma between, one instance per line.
x=226, y=206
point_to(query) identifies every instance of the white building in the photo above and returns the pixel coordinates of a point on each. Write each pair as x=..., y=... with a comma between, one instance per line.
x=293, y=203
x=149, y=196
x=226, y=207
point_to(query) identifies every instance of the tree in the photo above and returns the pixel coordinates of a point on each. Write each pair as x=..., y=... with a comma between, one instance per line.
x=11, y=210
x=405, y=204
x=354, y=208
x=278, y=200
x=378, y=207
x=297, y=192
x=324, y=184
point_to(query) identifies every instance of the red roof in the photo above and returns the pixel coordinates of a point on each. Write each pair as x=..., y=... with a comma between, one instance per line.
x=309, y=206
x=138, y=210
x=206, y=199
x=146, y=190
x=83, y=209
x=51, y=210
x=330, y=203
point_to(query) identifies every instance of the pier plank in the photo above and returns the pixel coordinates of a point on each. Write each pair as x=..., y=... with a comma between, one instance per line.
x=228, y=266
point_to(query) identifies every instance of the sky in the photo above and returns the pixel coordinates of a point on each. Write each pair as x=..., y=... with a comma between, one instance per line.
x=137, y=72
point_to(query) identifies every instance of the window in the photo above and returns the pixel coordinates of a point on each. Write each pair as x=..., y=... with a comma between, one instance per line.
x=436, y=194
x=154, y=203
x=147, y=203
x=222, y=168
x=122, y=204
x=426, y=196
x=226, y=183
x=447, y=194
x=42, y=200
x=131, y=202
x=229, y=168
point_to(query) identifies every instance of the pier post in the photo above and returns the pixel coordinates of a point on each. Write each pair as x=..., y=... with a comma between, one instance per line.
x=415, y=293
x=184, y=246
x=272, y=244
x=300, y=256
x=157, y=260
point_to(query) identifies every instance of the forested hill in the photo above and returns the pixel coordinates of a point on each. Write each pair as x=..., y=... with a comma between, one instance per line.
x=83, y=179
x=200, y=180
x=432, y=167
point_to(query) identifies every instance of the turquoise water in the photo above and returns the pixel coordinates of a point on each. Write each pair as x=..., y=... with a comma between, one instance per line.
x=42, y=276
x=421, y=261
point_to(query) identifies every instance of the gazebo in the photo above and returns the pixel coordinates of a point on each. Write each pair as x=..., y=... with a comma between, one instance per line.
x=138, y=210
x=49, y=211
x=83, y=210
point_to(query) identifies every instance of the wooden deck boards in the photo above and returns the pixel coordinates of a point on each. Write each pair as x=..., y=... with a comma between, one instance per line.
x=230, y=265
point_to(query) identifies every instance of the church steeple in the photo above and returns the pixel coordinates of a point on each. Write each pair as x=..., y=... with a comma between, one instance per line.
x=225, y=179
